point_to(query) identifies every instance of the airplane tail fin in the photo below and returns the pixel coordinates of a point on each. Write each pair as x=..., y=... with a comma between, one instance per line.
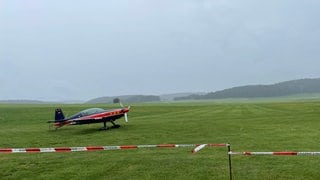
x=59, y=115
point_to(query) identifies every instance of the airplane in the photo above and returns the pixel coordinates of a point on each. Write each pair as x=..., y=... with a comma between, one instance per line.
x=91, y=115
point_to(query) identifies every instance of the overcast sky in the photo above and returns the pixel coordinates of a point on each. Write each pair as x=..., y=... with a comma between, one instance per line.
x=82, y=49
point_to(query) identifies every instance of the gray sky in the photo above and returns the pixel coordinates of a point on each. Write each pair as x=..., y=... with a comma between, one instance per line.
x=67, y=50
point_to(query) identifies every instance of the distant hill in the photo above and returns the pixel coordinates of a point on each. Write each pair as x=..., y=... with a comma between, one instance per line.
x=171, y=97
x=295, y=88
x=301, y=86
x=125, y=99
x=24, y=101
x=21, y=102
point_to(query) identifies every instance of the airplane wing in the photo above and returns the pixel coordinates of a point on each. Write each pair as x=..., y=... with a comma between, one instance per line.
x=89, y=120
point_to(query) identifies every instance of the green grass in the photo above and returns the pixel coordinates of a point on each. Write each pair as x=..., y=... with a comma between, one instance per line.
x=262, y=126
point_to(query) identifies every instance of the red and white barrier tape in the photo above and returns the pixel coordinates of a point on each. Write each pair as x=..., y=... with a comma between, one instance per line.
x=198, y=148
x=101, y=148
x=280, y=153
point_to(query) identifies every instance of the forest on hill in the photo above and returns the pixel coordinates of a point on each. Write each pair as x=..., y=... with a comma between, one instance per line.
x=125, y=99
x=301, y=86
x=294, y=87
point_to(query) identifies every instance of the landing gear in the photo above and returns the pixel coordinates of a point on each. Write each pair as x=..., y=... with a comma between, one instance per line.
x=105, y=127
x=114, y=125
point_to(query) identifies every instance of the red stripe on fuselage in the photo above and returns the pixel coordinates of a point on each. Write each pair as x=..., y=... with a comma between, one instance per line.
x=106, y=114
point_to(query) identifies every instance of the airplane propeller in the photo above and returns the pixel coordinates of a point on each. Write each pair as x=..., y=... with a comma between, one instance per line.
x=126, y=117
x=125, y=114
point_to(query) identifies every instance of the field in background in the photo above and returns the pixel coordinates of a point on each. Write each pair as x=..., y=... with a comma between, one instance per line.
x=262, y=126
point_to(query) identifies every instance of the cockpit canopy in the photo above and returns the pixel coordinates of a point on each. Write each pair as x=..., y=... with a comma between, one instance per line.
x=87, y=112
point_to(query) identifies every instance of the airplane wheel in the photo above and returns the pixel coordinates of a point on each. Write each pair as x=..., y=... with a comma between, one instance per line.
x=103, y=129
x=116, y=126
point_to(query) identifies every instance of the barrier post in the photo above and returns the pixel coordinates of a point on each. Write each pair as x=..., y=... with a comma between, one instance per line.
x=230, y=164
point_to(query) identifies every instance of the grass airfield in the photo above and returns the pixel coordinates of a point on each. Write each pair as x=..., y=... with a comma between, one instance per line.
x=250, y=126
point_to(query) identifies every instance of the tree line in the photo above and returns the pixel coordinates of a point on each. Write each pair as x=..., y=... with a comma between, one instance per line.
x=300, y=86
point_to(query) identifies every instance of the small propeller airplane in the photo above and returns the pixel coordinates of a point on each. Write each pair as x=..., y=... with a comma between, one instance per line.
x=91, y=115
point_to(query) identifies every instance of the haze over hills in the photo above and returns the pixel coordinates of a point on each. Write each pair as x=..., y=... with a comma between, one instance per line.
x=293, y=87
x=287, y=88
x=140, y=98
x=301, y=87
x=126, y=98
x=28, y=101
x=21, y=102
x=106, y=99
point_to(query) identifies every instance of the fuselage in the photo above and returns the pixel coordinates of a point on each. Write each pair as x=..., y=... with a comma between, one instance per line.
x=92, y=115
